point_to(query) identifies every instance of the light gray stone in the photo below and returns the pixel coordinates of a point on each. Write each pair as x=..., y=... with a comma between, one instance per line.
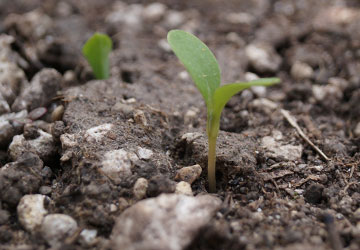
x=263, y=57
x=184, y=188
x=167, y=222
x=31, y=211
x=98, y=133
x=56, y=228
x=117, y=164
x=140, y=188
x=275, y=149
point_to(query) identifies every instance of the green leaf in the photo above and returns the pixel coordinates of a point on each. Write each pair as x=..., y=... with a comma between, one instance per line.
x=96, y=50
x=198, y=60
x=224, y=93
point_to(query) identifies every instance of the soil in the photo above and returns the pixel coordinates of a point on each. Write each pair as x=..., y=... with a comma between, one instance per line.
x=277, y=191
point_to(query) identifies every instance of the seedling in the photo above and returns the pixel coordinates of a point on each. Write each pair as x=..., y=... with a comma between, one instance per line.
x=96, y=51
x=203, y=68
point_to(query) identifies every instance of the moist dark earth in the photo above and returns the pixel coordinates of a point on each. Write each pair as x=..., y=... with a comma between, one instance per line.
x=121, y=163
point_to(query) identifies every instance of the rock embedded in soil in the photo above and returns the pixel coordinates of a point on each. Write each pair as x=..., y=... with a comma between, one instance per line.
x=189, y=174
x=154, y=12
x=140, y=188
x=183, y=188
x=173, y=220
x=97, y=134
x=31, y=211
x=117, y=164
x=301, y=71
x=144, y=154
x=57, y=227
x=276, y=150
x=87, y=237
x=42, y=89
x=43, y=146
x=263, y=57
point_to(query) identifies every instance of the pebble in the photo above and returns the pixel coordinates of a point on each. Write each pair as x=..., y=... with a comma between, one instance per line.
x=301, y=71
x=88, y=237
x=57, y=227
x=265, y=105
x=117, y=164
x=174, y=19
x=263, y=57
x=173, y=220
x=37, y=113
x=275, y=149
x=39, y=93
x=57, y=114
x=125, y=109
x=183, y=188
x=240, y=18
x=140, y=188
x=154, y=12
x=98, y=133
x=144, y=153
x=189, y=174
x=68, y=141
x=31, y=211
x=164, y=45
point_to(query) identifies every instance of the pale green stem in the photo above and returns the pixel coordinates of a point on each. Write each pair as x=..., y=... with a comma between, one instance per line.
x=212, y=131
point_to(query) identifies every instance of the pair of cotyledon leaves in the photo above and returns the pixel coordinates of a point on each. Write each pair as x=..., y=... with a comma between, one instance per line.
x=203, y=68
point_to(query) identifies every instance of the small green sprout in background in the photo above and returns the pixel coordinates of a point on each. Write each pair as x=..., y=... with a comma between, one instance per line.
x=96, y=51
x=203, y=68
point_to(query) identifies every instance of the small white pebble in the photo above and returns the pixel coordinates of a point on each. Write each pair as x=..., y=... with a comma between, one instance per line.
x=96, y=134
x=88, y=236
x=57, y=227
x=183, y=188
x=144, y=154
x=31, y=211
x=140, y=188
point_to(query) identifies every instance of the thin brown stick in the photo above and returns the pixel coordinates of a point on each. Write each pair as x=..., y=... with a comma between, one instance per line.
x=293, y=123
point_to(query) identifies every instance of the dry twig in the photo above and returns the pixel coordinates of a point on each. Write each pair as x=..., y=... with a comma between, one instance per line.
x=293, y=123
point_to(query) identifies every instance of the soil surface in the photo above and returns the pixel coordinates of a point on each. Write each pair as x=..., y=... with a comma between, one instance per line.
x=121, y=163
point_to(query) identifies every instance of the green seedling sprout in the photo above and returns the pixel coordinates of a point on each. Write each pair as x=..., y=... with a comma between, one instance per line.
x=96, y=51
x=203, y=68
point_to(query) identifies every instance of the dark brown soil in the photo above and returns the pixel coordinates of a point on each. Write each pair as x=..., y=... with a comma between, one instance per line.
x=272, y=199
